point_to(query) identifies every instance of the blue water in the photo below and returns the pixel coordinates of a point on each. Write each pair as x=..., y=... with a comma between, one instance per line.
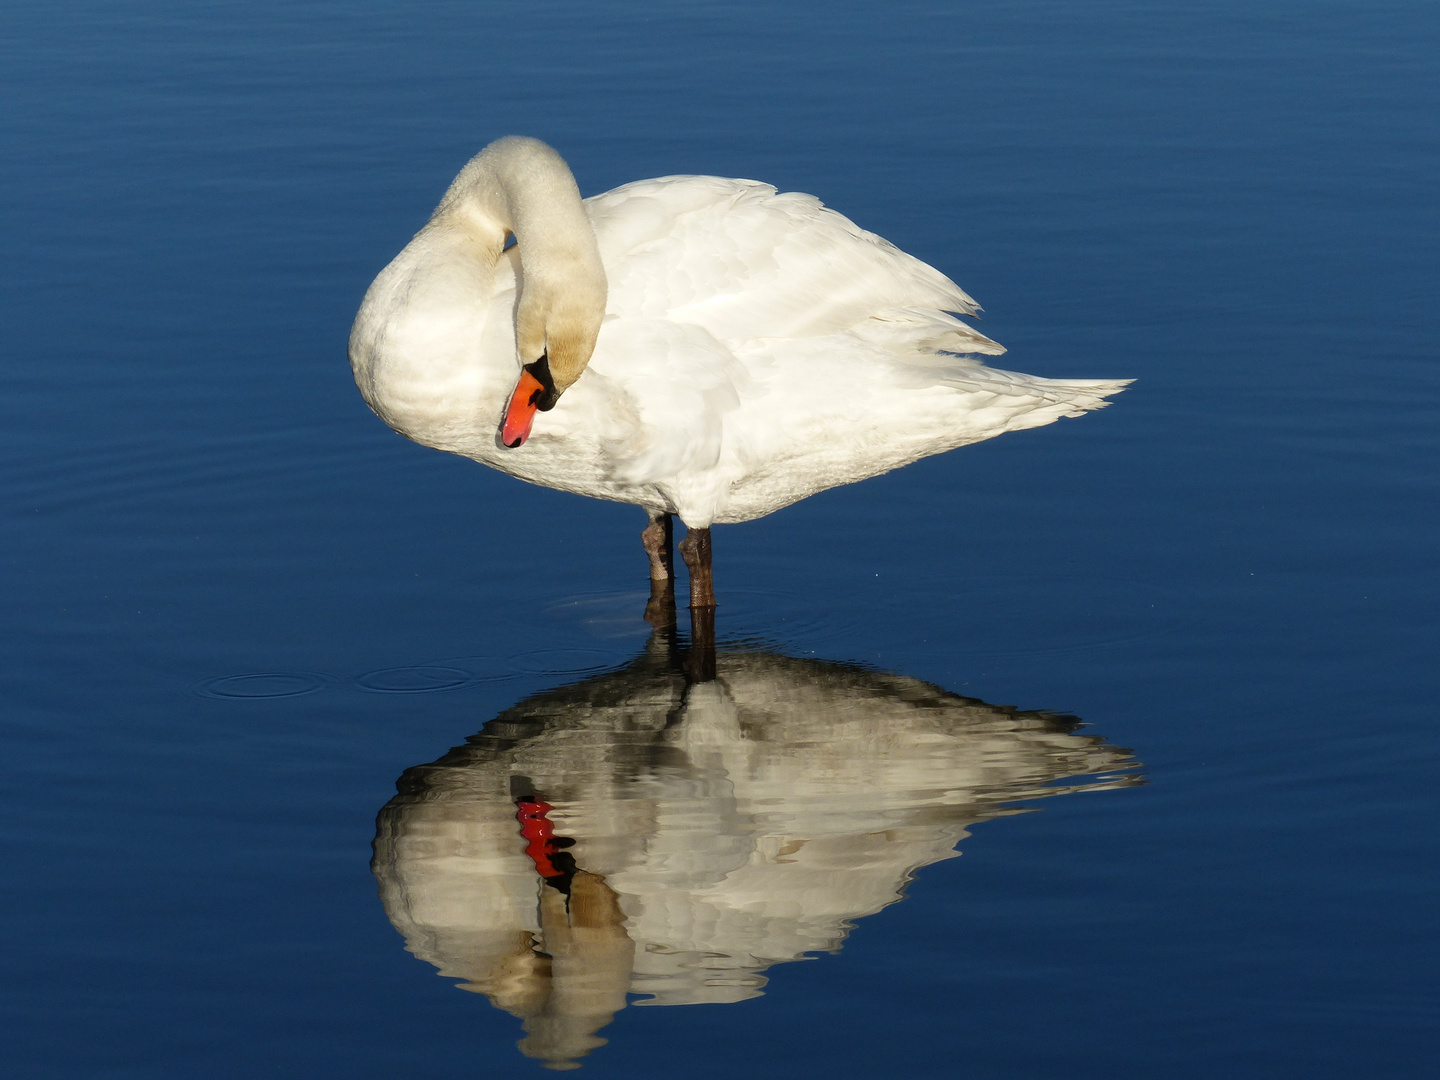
x=238, y=609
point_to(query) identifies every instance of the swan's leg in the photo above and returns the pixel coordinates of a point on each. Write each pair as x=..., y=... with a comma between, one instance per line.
x=657, y=538
x=695, y=550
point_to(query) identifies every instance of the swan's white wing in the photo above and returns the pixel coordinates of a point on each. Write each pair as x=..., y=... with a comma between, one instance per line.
x=746, y=263
x=770, y=349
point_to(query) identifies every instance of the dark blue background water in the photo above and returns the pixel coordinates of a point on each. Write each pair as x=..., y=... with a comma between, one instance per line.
x=1233, y=570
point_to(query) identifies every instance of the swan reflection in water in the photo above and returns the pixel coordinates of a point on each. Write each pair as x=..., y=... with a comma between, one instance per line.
x=643, y=832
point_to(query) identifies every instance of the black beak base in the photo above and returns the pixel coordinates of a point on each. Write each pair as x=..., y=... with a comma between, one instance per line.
x=545, y=398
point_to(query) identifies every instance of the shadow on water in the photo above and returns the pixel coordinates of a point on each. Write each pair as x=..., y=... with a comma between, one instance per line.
x=676, y=827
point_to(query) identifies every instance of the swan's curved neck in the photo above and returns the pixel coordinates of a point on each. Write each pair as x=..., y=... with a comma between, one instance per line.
x=521, y=186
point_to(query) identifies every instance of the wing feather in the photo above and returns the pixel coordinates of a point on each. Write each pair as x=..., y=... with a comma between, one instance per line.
x=748, y=263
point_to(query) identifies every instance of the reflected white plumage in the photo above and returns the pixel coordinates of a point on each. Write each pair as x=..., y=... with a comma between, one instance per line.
x=713, y=830
x=711, y=348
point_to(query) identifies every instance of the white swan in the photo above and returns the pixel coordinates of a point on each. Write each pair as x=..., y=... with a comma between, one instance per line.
x=700, y=346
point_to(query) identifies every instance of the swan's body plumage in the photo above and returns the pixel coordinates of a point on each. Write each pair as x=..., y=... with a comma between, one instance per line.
x=756, y=348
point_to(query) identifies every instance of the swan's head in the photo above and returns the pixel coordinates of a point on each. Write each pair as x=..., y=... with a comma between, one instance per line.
x=555, y=333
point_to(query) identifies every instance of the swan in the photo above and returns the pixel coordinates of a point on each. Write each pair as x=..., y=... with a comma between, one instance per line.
x=699, y=346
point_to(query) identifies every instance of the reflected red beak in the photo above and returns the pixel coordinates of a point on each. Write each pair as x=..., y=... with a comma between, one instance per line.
x=521, y=413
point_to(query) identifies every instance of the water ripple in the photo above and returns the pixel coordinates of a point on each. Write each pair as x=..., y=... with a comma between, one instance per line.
x=266, y=684
x=419, y=679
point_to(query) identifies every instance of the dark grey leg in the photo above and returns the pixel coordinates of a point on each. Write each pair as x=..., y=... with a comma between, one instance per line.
x=695, y=550
x=658, y=538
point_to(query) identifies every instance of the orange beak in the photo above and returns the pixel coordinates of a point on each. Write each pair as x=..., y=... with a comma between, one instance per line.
x=521, y=413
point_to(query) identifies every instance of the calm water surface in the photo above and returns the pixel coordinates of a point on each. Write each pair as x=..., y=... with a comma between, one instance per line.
x=251, y=633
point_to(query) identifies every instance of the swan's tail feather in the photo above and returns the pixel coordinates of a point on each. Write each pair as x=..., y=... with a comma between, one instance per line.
x=972, y=376
x=1010, y=401
x=1086, y=394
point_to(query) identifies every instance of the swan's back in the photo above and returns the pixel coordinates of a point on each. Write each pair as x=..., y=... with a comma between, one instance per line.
x=747, y=263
